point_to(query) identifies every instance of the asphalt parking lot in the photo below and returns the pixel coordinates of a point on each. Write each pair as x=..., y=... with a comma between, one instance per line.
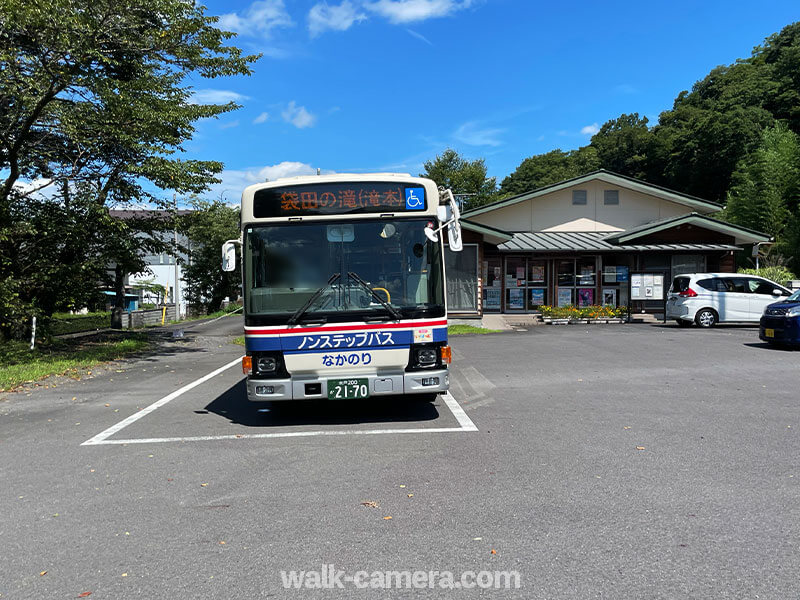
x=618, y=461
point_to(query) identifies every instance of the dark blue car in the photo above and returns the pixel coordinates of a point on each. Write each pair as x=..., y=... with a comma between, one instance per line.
x=780, y=323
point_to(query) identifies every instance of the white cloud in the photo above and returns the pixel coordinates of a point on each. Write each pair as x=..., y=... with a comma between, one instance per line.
x=258, y=19
x=262, y=118
x=298, y=116
x=215, y=97
x=230, y=124
x=590, y=129
x=234, y=181
x=324, y=17
x=408, y=11
x=471, y=134
x=419, y=36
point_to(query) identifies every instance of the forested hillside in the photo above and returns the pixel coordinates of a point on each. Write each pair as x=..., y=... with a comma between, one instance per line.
x=733, y=139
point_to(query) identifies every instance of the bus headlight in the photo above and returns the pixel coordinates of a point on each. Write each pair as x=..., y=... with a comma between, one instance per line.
x=426, y=357
x=266, y=364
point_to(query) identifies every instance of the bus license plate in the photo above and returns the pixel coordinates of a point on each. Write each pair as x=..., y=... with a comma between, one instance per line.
x=769, y=333
x=347, y=389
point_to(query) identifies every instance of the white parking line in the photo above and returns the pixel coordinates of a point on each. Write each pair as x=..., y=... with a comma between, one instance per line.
x=464, y=422
x=101, y=437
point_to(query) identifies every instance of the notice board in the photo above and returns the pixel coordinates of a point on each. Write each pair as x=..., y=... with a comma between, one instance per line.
x=648, y=286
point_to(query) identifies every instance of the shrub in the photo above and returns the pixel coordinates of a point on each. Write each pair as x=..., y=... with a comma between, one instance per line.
x=778, y=274
x=583, y=312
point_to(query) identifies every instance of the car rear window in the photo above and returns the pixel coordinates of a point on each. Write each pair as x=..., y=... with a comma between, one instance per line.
x=713, y=285
x=680, y=284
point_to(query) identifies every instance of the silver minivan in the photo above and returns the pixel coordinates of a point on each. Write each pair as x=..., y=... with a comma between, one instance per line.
x=710, y=298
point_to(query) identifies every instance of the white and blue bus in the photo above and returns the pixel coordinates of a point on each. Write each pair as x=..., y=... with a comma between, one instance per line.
x=344, y=286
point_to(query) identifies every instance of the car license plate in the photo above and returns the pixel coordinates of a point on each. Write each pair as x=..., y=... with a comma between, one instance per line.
x=347, y=389
x=769, y=333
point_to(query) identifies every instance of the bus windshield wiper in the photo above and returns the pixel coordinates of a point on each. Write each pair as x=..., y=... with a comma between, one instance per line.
x=301, y=311
x=392, y=310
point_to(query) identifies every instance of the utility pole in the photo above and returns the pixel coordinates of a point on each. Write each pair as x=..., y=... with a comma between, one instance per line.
x=177, y=284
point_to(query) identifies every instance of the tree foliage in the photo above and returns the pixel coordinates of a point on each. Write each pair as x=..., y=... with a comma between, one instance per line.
x=208, y=227
x=766, y=189
x=545, y=169
x=451, y=170
x=97, y=104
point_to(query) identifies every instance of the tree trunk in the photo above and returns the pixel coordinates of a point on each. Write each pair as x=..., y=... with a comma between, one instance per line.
x=119, y=299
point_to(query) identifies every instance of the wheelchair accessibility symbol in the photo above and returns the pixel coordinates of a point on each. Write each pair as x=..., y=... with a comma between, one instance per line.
x=415, y=198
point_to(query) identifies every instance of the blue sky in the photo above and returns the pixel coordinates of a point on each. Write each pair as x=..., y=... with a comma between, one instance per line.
x=384, y=85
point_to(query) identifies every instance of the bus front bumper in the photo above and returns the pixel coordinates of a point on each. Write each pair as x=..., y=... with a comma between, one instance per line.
x=308, y=388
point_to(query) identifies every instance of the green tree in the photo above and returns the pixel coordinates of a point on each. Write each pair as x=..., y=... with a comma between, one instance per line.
x=623, y=145
x=208, y=226
x=551, y=167
x=766, y=191
x=97, y=98
x=462, y=176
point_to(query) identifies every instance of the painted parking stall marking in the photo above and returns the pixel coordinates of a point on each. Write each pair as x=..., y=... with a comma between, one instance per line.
x=465, y=424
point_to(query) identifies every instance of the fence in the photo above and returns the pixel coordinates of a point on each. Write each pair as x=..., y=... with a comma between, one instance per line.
x=141, y=318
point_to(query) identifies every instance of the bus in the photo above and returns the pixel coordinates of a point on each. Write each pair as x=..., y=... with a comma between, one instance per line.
x=344, y=286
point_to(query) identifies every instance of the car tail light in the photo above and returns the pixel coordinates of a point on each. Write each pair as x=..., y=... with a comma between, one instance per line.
x=688, y=293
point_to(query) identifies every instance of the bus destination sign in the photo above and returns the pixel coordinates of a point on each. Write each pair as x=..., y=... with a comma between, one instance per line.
x=338, y=199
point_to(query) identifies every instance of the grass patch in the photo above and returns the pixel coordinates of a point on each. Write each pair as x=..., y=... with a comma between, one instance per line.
x=239, y=341
x=19, y=364
x=462, y=329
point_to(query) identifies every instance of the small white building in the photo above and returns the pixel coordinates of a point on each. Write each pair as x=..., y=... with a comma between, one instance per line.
x=162, y=269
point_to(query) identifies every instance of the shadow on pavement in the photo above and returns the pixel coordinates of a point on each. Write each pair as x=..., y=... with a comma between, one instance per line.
x=766, y=346
x=234, y=406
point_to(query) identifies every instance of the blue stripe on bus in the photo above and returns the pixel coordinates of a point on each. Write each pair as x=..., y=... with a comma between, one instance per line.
x=338, y=341
x=259, y=344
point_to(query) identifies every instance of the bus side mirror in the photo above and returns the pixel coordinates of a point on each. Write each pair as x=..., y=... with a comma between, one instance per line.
x=454, y=241
x=229, y=256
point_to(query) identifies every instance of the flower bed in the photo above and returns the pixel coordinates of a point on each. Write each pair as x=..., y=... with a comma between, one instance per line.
x=584, y=314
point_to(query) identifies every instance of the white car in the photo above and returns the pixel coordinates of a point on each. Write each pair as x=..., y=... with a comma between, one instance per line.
x=711, y=298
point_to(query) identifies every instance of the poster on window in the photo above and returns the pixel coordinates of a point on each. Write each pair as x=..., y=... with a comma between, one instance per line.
x=609, y=297
x=516, y=299
x=491, y=299
x=609, y=274
x=537, y=297
x=622, y=274
x=586, y=276
x=585, y=296
x=537, y=273
x=564, y=297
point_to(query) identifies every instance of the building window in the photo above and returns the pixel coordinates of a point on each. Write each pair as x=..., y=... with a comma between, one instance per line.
x=578, y=197
x=611, y=197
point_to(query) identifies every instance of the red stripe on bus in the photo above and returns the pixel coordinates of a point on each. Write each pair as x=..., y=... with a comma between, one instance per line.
x=334, y=329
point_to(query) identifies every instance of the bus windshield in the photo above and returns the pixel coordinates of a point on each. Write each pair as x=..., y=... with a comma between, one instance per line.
x=333, y=269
